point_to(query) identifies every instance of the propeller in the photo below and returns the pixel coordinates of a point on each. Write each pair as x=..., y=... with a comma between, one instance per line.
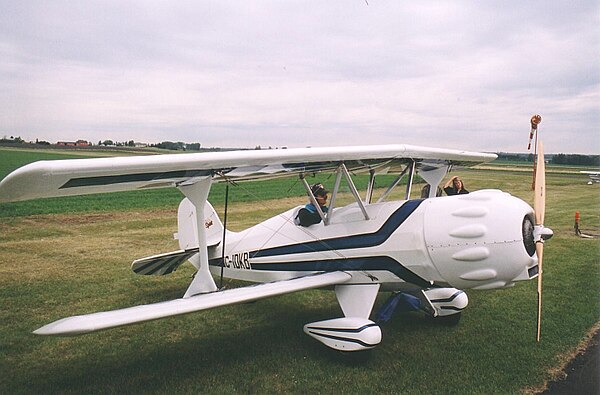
x=540, y=232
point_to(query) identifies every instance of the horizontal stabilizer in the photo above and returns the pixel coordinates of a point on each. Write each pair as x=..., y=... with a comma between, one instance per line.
x=162, y=264
x=81, y=324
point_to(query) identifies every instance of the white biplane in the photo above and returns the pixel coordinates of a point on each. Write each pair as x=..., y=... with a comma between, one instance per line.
x=594, y=176
x=430, y=249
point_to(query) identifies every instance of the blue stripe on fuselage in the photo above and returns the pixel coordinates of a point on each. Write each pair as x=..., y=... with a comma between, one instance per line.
x=346, y=242
x=372, y=263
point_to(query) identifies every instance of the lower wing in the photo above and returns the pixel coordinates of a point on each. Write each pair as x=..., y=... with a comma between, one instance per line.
x=81, y=324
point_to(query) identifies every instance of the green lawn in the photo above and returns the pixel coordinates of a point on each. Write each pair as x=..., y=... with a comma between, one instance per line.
x=73, y=260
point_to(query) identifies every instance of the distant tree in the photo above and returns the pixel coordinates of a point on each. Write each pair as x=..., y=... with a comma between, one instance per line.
x=576, y=159
x=559, y=159
x=131, y=143
x=193, y=147
x=178, y=146
x=107, y=143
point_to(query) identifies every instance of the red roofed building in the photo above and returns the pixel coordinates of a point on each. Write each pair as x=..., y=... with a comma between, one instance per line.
x=78, y=143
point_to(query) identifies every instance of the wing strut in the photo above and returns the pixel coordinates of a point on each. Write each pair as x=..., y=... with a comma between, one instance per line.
x=434, y=177
x=370, y=186
x=312, y=198
x=393, y=185
x=224, y=233
x=354, y=191
x=196, y=190
x=411, y=177
x=341, y=170
x=336, y=187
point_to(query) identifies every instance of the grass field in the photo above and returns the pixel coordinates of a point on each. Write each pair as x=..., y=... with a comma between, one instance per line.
x=74, y=258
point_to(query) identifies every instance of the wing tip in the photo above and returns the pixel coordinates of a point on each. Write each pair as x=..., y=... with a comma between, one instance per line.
x=63, y=327
x=24, y=183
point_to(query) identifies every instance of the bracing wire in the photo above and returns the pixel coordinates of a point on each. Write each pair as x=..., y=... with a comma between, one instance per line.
x=224, y=233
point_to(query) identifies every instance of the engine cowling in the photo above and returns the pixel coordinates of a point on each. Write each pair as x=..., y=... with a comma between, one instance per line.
x=481, y=240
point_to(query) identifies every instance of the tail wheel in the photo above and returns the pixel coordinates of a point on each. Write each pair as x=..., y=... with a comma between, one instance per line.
x=447, y=320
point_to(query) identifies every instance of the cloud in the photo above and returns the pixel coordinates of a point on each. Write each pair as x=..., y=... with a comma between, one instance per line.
x=295, y=73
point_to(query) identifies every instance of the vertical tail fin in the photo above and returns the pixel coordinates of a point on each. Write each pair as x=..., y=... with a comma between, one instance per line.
x=186, y=222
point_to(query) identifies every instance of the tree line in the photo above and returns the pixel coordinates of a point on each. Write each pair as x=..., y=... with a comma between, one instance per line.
x=555, y=159
x=577, y=160
x=170, y=145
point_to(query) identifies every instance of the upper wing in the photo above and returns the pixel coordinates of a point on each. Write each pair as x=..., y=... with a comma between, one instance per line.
x=86, y=176
x=81, y=324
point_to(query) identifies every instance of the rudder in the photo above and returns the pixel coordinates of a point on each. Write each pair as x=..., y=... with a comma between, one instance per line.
x=186, y=223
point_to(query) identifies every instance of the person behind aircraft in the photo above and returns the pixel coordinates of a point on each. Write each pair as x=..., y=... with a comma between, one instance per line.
x=425, y=191
x=308, y=215
x=455, y=186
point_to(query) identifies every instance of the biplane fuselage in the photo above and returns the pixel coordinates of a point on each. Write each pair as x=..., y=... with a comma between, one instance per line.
x=467, y=241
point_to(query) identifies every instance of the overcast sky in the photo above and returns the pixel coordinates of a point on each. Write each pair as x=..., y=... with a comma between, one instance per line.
x=303, y=73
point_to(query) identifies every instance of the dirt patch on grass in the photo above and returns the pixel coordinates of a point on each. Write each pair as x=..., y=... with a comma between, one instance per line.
x=577, y=372
x=582, y=373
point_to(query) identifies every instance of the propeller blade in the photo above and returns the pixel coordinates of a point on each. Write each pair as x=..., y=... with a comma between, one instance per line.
x=539, y=202
x=539, y=250
x=539, y=208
